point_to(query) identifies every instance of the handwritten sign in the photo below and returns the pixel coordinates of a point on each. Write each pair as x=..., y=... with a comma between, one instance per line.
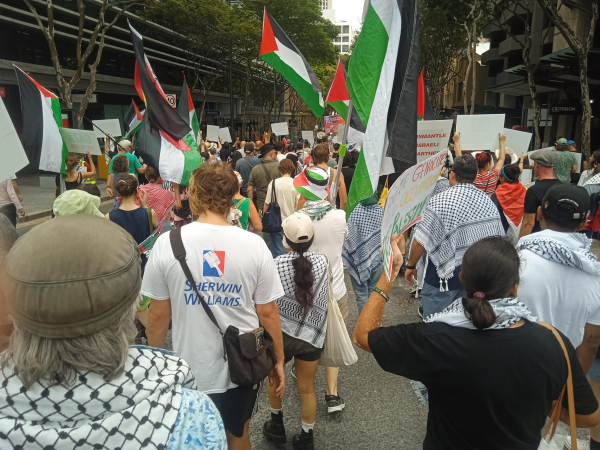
x=480, y=132
x=406, y=201
x=432, y=137
x=80, y=141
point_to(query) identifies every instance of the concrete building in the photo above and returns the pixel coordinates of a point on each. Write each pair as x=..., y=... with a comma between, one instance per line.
x=325, y=4
x=345, y=31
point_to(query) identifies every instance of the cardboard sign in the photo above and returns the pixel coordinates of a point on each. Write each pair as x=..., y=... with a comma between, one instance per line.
x=225, y=135
x=109, y=126
x=212, y=133
x=517, y=140
x=12, y=153
x=406, y=201
x=80, y=141
x=308, y=136
x=480, y=132
x=332, y=122
x=432, y=137
x=280, y=129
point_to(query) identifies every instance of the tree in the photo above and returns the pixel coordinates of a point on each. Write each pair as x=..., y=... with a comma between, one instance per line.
x=83, y=52
x=559, y=16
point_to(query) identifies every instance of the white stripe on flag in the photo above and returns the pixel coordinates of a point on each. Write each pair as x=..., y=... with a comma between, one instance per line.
x=171, y=162
x=51, y=152
x=294, y=60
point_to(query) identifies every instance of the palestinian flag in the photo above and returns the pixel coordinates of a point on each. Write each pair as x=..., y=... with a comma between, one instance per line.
x=133, y=120
x=41, y=120
x=338, y=96
x=313, y=183
x=383, y=83
x=280, y=52
x=187, y=112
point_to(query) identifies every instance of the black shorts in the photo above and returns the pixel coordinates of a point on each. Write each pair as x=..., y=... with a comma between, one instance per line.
x=299, y=349
x=236, y=407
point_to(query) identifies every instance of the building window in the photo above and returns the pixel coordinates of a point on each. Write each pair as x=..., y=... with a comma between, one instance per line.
x=345, y=39
x=345, y=49
x=346, y=29
x=338, y=39
x=339, y=29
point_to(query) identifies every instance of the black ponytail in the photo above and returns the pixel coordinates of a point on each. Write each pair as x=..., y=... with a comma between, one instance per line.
x=303, y=276
x=490, y=268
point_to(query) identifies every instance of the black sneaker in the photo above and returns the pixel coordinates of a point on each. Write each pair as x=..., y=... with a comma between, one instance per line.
x=420, y=310
x=303, y=441
x=335, y=403
x=274, y=430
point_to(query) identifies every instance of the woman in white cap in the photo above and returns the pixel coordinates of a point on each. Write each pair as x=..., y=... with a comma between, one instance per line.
x=303, y=314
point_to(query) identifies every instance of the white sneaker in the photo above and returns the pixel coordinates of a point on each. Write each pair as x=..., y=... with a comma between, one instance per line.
x=582, y=444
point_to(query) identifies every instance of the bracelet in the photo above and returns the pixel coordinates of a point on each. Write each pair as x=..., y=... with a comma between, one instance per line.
x=383, y=294
x=411, y=267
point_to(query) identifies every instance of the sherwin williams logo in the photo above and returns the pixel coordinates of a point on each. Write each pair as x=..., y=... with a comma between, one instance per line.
x=214, y=263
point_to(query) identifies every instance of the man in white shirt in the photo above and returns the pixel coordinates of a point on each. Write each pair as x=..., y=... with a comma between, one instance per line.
x=236, y=276
x=330, y=233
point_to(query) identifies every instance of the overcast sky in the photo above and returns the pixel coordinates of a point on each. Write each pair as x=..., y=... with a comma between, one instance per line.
x=349, y=11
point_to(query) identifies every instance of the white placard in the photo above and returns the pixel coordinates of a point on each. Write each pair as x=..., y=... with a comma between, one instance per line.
x=340, y=134
x=480, y=132
x=517, y=140
x=578, y=159
x=12, y=154
x=432, y=137
x=212, y=133
x=280, y=129
x=80, y=141
x=225, y=135
x=109, y=126
x=308, y=136
x=406, y=201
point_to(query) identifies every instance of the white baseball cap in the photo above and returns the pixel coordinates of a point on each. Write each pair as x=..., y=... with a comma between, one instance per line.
x=298, y=228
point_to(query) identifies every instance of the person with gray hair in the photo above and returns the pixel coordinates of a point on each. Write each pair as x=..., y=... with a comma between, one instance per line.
x=452, y=221
x=69, y=377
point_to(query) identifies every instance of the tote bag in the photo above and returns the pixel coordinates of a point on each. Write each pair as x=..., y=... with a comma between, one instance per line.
x=337, y=348
x=271, y=219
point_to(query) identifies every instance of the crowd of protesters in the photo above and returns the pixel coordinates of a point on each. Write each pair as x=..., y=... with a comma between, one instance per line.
x=246, y=264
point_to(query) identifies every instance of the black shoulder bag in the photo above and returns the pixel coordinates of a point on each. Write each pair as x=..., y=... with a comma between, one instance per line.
x=251, y=356
x=271, y=219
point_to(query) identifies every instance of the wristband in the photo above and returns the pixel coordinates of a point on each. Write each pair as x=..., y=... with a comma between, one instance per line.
x=411, y=267
x=383, y=294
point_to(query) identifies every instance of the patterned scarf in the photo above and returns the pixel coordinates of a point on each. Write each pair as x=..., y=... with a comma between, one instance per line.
x=508, y=312
x=453, y=220
x=511, y=197
x=316, y=210
x=593, y=180
x=137, y=409
x=579, y=257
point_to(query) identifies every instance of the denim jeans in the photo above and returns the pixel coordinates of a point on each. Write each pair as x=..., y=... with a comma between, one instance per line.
x=435, y=301
x=277, y=244
x=363, y=291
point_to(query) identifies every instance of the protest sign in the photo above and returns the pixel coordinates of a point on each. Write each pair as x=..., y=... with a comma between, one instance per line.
x=432, y=137
x=212, y=133
x=480, y=132
x=109, y=126
x=517, y=140
x=340, y=134
x=280, y=129
x=308, y=136
x=332, y=122
x=225, y=135
x=80, y=141
x=406, y=201
x=12, y=153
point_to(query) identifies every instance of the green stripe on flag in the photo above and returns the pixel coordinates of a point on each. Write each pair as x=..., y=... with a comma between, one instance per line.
x=195, y=126
x=135, y=130
x=56, y=113
x=192, y=159
x=341, y=108
x=308, y=194
x=361, y=186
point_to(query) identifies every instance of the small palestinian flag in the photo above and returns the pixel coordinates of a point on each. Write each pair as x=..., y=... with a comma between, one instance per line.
x=187, y=112
x=280, y=52
x=133, y=119
x=338, y=96
x=313, y=184
x=41, y=120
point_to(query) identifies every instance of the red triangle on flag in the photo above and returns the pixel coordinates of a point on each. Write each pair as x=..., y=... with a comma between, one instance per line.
x=338, y=91
x=421, y=98
x=269, y=43
x=190, y=101
x=181, y=145
x=138, y=114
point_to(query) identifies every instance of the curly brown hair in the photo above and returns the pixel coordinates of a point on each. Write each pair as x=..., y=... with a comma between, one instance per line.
x=320, y=154
x=121, y=164
x=286, y=166
x=127, y=185
x=212, y=187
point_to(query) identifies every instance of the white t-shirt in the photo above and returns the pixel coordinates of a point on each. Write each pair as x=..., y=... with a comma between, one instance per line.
x=234, y=270
x=287, y=196
x=565, y=297
x=280, y=157
x=330, y=233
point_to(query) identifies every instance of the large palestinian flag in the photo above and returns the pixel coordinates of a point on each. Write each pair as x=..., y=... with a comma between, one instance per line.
x=280, y=52
x=187, y=112
x=41, y=120
x=382, y=81
x=338, y=96
x=133, y=119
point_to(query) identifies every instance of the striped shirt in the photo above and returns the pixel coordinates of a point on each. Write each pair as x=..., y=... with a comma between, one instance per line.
x=487, y=183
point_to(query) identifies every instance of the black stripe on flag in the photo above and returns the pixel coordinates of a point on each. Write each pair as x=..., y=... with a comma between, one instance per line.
x=129, y=116
x=33, y=118
x=184, y=108
x=149, y=143
x=402, y=115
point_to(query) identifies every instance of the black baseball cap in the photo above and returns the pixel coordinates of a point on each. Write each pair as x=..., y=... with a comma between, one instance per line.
x=567, y=202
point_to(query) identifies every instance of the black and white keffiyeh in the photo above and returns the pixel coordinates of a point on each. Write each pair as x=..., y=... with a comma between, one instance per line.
x=508, y=312
x=138, y=409
x=593, y=180
x=453, y=220
x=579, y=257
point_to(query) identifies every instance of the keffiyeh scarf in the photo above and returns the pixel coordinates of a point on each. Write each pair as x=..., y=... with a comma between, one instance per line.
x=593, y=180
x=316, y=209
x=453, y=220
x=508, y=312
x=137, y=409
x=553, y=250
